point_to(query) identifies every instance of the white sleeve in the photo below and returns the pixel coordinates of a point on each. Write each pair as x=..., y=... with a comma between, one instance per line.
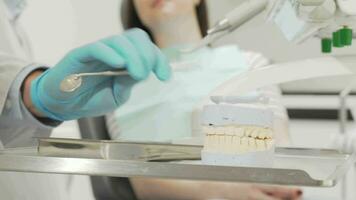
x=18, y=126
x=13, y=53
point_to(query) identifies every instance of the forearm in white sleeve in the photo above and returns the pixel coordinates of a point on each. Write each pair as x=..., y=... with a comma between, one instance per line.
x=18, y=126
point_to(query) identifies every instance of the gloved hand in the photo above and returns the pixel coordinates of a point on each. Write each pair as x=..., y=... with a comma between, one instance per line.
x=98, y=95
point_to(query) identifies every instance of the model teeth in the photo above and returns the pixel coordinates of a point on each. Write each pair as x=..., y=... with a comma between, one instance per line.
x=238, y=139
x=208, y=129
x=244, y=141
x=262, y=135
x=239, y=132
x=236, y=148
x=252, y=144
x=254, y=133
x=247, y=133
x=220, y=130
x=261, y=145
x=269, y=143
x=230, y=131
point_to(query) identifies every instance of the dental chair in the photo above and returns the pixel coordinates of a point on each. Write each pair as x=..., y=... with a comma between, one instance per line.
x=105, y=188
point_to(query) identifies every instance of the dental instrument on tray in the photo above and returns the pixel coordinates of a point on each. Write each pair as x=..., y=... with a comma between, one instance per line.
x=74, y=81
x=331, y=20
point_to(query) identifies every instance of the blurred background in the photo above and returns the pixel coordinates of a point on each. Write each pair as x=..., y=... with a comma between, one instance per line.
x=83, y=21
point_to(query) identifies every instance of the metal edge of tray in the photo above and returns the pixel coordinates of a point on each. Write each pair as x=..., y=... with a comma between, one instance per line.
x=79, y=148
x=117, y=150
x=31, y=160
x=341, y=170
x=126, y=168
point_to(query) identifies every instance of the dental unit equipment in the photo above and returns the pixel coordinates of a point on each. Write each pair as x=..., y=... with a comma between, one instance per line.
x=331, y=20
x=233, y=20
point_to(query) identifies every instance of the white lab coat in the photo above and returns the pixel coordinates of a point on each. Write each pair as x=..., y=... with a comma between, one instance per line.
x=13, y=55
x=17, y=126
x=15, y=64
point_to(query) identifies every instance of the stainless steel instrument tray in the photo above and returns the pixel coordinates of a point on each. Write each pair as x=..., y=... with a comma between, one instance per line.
x=293, y=166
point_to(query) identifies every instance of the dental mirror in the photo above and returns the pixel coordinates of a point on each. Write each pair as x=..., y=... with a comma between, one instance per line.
x=74, y=81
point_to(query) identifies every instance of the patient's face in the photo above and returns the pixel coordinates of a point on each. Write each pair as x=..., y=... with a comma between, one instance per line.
x=159, y=12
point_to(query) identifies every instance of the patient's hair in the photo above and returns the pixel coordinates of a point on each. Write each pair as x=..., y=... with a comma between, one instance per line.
x=130, y=19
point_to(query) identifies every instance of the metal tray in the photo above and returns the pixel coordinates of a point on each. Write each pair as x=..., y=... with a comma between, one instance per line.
x=293, y=166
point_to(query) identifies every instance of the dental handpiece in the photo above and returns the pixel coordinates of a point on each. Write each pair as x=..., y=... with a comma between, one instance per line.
x=231, y=22
x=74, y=81
x=239, y=16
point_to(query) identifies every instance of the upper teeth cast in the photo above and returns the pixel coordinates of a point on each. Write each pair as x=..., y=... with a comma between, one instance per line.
x=240, y=131
x=237, y=139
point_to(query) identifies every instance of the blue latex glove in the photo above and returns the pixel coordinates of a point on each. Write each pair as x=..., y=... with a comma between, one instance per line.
x=99, y=95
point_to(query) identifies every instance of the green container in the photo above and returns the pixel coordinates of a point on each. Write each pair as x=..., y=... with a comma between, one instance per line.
x=326, y=45
x=346, y=36
x=337, y=39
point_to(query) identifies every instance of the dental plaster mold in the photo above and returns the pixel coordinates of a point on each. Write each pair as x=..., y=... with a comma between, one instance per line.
x=238, y=135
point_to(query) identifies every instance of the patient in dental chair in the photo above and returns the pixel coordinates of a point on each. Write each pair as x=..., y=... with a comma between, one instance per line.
x=174, y=112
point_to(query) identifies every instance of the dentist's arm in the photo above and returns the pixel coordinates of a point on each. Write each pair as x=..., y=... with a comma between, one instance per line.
x=31, y=103
x=132, y=51
x=26, y=97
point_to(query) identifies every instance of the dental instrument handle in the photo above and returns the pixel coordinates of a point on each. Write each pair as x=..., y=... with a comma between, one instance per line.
x=104, y=73
x=204, y=42
x=74, y=81
x=239, y=16
x=245, y=12
x=231, y=21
